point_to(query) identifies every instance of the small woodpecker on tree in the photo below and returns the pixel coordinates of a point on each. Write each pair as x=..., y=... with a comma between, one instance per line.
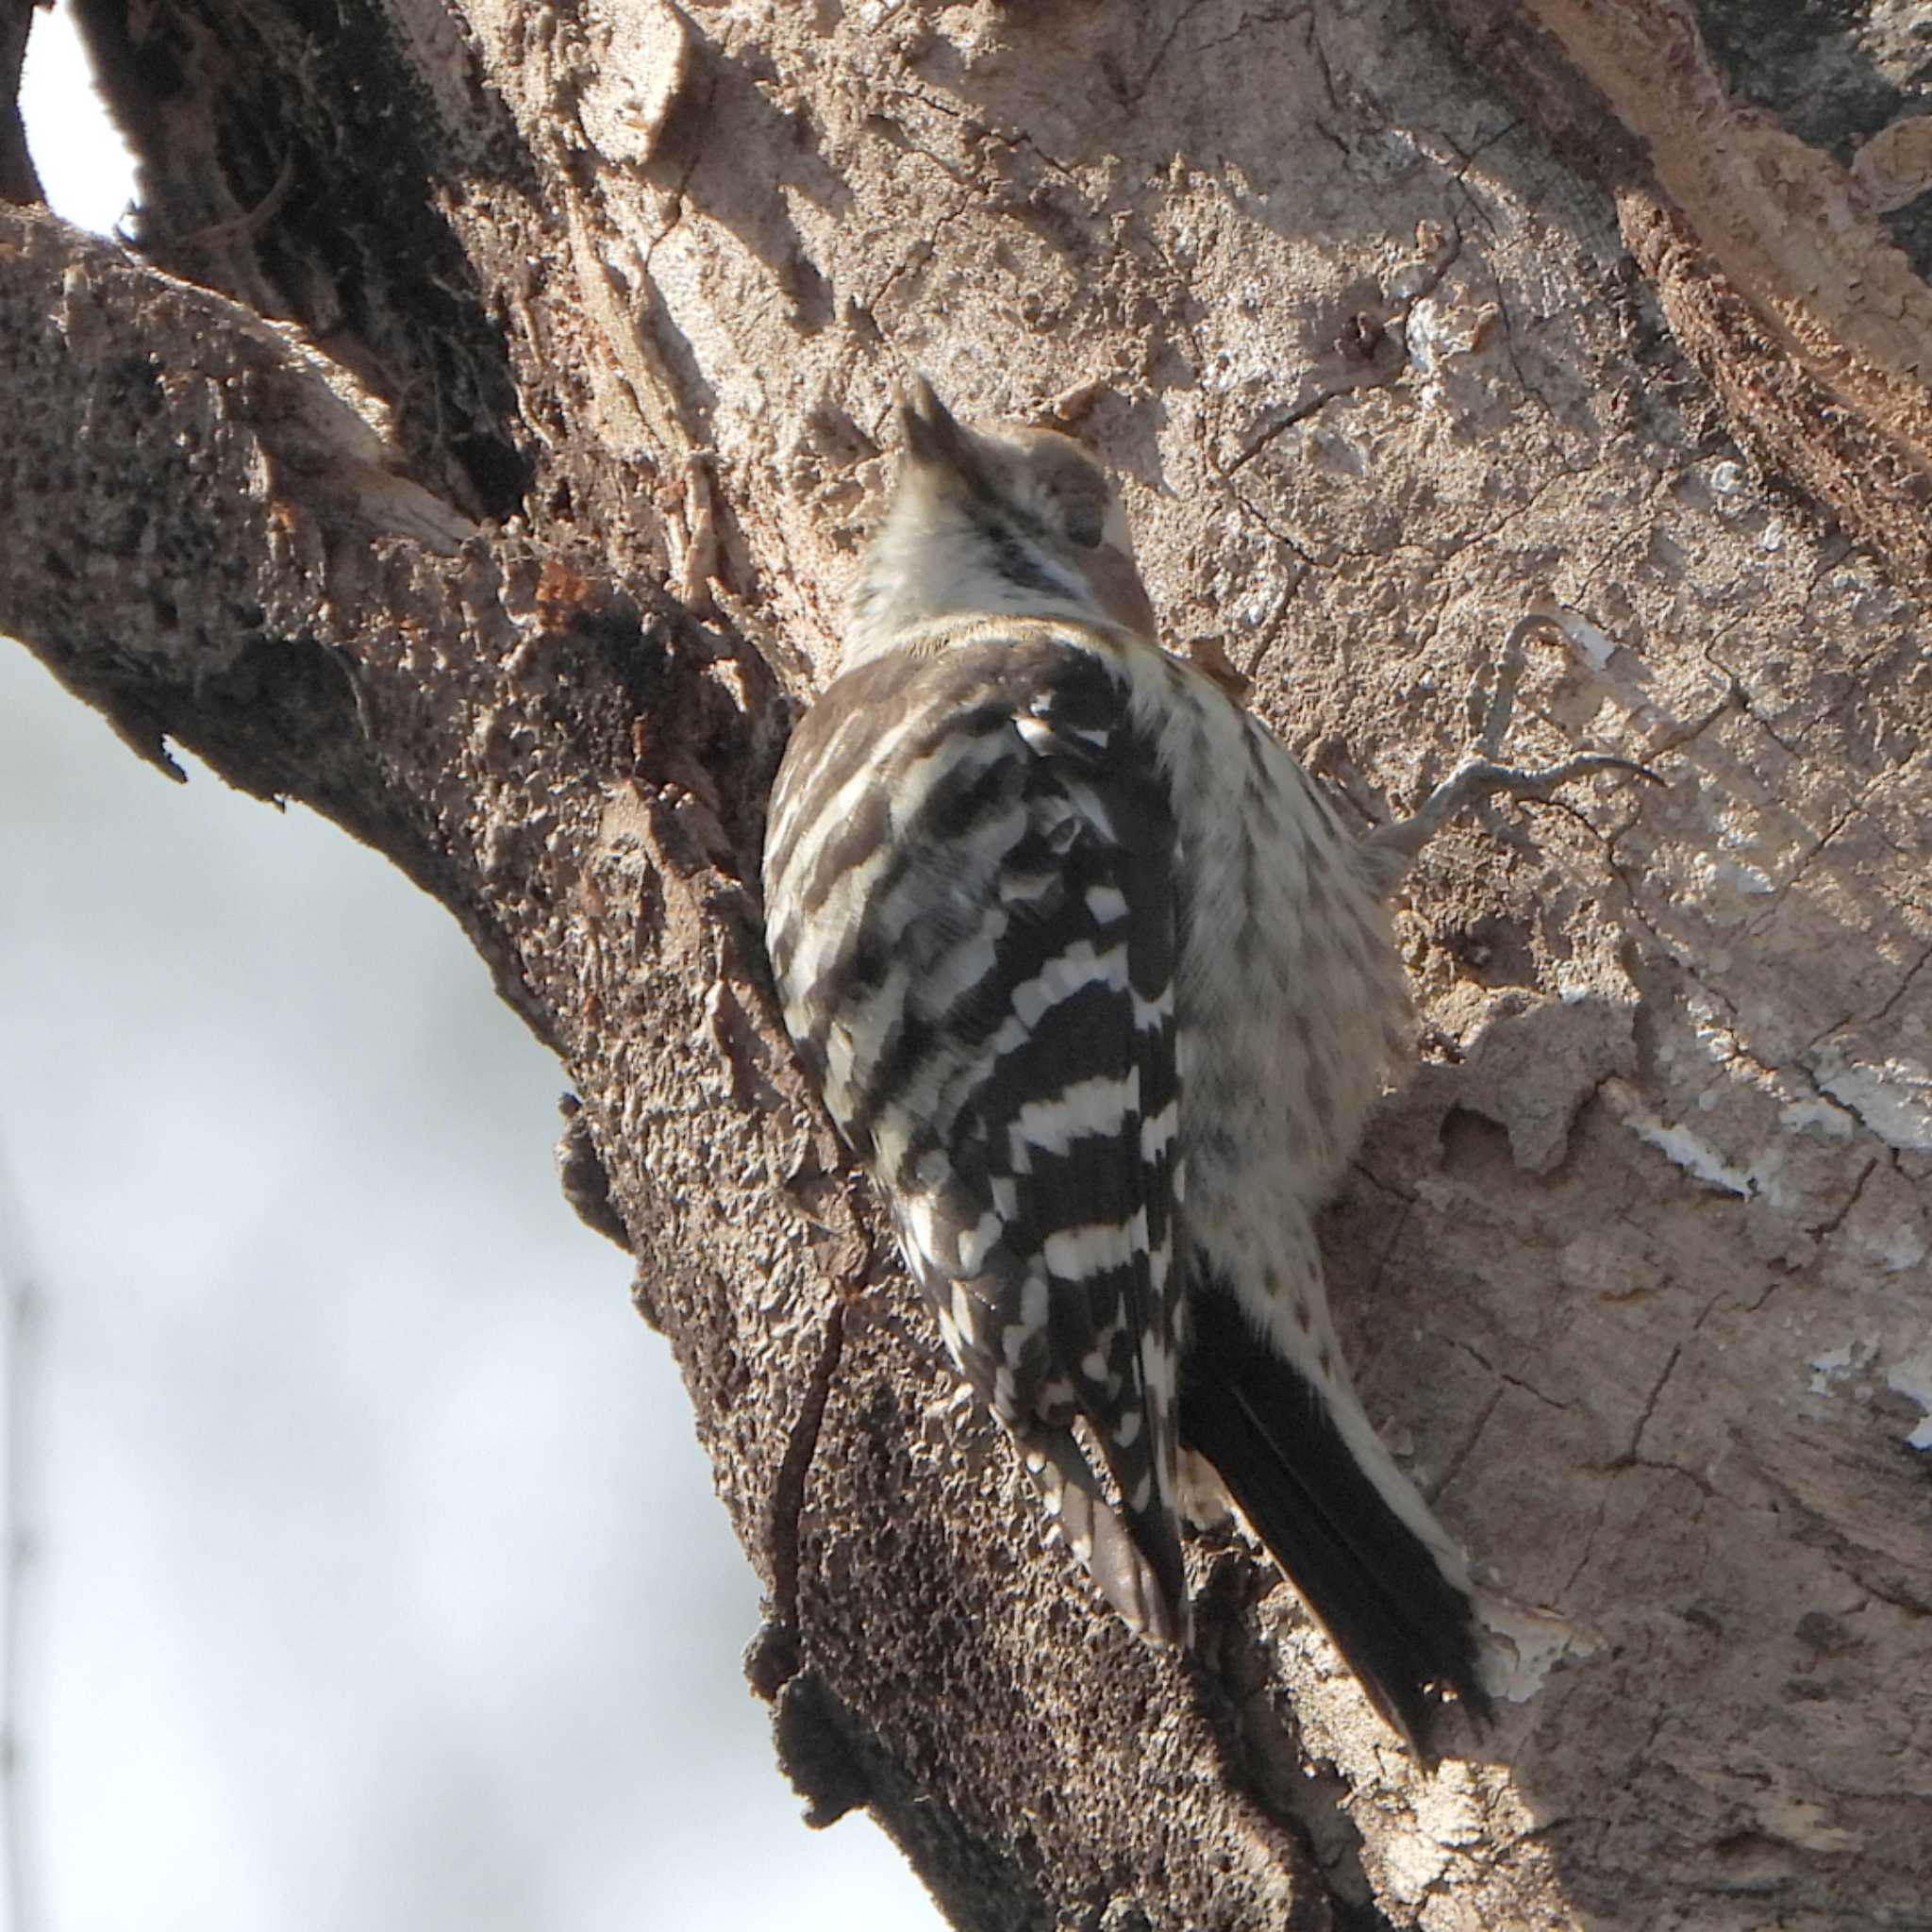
x=1096, y=984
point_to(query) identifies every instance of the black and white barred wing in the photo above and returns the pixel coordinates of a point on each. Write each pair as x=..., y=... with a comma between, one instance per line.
x=971, y=902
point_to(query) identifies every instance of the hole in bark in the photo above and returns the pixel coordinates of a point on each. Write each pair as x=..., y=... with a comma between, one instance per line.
x=1493, y=950
x=496, y=469
x=1471, y=1143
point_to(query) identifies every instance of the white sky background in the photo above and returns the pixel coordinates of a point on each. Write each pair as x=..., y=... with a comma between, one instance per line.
x=379, y=1579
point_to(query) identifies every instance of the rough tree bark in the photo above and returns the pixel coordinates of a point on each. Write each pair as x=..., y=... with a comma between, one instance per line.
x=477, y=449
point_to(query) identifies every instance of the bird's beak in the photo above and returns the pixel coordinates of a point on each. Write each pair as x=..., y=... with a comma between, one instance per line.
x=931, y=434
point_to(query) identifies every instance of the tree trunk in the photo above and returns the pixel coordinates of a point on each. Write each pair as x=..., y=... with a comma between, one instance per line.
x=478, y=450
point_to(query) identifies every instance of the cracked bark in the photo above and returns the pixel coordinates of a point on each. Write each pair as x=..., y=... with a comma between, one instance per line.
x=458, y=339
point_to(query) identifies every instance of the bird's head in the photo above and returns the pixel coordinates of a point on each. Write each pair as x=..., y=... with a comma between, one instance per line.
x=1001, y=521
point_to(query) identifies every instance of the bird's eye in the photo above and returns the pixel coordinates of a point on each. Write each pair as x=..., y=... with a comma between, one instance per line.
x=1086, y=521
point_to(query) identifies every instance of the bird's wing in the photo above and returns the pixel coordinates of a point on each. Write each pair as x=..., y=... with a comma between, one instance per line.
x=1004, y=1061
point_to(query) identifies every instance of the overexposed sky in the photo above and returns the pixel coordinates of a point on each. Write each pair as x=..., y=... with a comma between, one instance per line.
x=379, y=1579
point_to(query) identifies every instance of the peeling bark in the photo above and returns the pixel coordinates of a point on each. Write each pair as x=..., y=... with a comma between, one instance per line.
x=478, y=451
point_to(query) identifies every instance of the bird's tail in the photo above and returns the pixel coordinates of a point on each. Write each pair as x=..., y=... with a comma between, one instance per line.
x=1347, y=1528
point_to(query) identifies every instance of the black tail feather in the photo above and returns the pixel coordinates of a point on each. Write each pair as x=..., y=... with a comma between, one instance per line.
x=1403, y=1626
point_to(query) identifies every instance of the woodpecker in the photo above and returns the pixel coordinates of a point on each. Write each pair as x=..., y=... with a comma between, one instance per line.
x=1094, y=982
